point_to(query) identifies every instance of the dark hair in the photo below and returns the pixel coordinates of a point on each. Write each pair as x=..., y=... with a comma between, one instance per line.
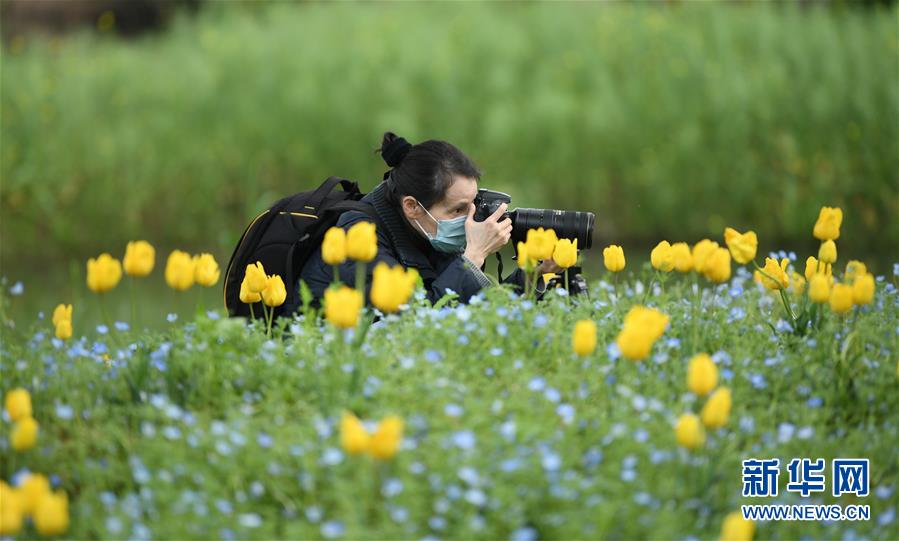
x=425, y=171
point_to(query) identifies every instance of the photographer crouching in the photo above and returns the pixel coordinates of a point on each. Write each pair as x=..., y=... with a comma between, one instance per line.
x=433, y=218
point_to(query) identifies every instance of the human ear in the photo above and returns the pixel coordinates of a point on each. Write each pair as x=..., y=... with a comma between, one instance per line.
x=411, y=208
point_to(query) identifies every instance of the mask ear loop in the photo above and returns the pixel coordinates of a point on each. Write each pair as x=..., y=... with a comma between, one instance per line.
x=428, y=235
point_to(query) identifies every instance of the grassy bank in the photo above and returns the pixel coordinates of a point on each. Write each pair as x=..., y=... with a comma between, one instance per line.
x=674, y=120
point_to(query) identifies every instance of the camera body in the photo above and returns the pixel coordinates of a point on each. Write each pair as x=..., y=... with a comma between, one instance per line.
x=568, y=224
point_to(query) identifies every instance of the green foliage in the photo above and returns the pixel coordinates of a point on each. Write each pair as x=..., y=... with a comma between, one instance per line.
x=667, y=121
x=208, y=429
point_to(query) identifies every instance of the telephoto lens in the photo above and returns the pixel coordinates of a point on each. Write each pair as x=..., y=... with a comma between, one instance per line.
x=568, y=224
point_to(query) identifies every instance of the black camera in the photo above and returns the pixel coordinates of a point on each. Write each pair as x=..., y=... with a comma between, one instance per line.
x=568, y=224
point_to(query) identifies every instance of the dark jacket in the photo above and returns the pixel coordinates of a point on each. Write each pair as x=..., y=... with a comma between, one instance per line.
x=398, y=243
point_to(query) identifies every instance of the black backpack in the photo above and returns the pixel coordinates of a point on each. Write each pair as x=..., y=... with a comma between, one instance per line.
x=285, y=236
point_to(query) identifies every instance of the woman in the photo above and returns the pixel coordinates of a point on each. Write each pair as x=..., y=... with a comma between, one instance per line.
x=426, y=208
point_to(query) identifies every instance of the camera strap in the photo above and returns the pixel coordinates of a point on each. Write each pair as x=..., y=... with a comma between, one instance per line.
x=499, y=267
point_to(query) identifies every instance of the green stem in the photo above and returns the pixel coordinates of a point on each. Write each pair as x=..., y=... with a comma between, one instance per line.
x=336, y=273
x=269, y=316
x=360, y=277
x=252, y=313
x=133, y=305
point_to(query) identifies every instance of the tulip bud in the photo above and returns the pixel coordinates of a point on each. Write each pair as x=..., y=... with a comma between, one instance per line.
x=247, y=296
x=11, y=514
x=811, y=267
x=661, y=257
x=565, y=253
x=819, y=289
x=717, y=409
x=716, y=266
x=274, y=293
x=683, y=257
x=342, y=306
x=841, y=298
x=64, y=329
x=51, y=517
x=179, y=270
x=541, y=243
x=583, y=339
x=334, y=246
x=524, y=258
x=18, y=404
x=613, y=258
x=255, y=277
x=828, y=252
x=736, y=528
x=206, y=271
x=702, y=374
x=362, y=241
x=828, y=225
x=689, y=432
x=24, y=434
x=139, y=258
x=701, y=251
x=61, y=312
x=103, y=273
x=863, y=289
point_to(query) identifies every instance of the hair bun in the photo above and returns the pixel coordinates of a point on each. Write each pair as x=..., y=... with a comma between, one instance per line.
x=395, y=151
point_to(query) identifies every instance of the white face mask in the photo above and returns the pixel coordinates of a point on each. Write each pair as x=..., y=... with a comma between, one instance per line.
x=450, y=235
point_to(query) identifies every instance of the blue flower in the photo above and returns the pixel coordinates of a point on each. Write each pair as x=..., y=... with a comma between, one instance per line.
x=264, y=440
x=17, y=289
x=64, y=412
x=224, y=506
x=433, y=356
x=171, y=318
x=464, y=439
x=525, y=533
x=249, y=520
x=391, y=487
x=540, y=321
x=537, y=384
x=453, y=410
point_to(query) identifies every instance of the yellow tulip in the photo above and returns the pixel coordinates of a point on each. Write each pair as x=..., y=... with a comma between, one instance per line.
x=774, y=276
x=274, y=293
x=613, y=258
x=255, y=277
x=541, y=243
x=32, y=489
x=702, y=374
x=688, y=431
x=61, y=312
x=392, y=287
x=362, y=241
x=565, y=253
x=701, y=251
x=828, y=252
x=140, y=257
x=247, y=296
x=683, y=257
x=342, y=306
x=811, y=267
x=742, y=246
x=736, y=528
x=179, y=270
x=717, y=409
x=18, y=404
x=854, y=269
x=828, y=225
x=863, y=289
x=642, y=327
x=206, y=270
x=661, y=257
x=716, y=266
x=583, y=339
x=353, y=437
x=24, y=434
x=51, y=517
x=841, y=298
x=523, y=257
x=385, y=442
x=334, y=246
x=11, y=515
x=103, y=273
x=819, y=289
x=64, y=329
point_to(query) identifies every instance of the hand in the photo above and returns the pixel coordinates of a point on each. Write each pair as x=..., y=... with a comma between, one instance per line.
x=484, y=238
x=549, y=265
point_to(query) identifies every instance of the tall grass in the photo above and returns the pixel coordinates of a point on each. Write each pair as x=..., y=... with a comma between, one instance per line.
x=665, y=120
